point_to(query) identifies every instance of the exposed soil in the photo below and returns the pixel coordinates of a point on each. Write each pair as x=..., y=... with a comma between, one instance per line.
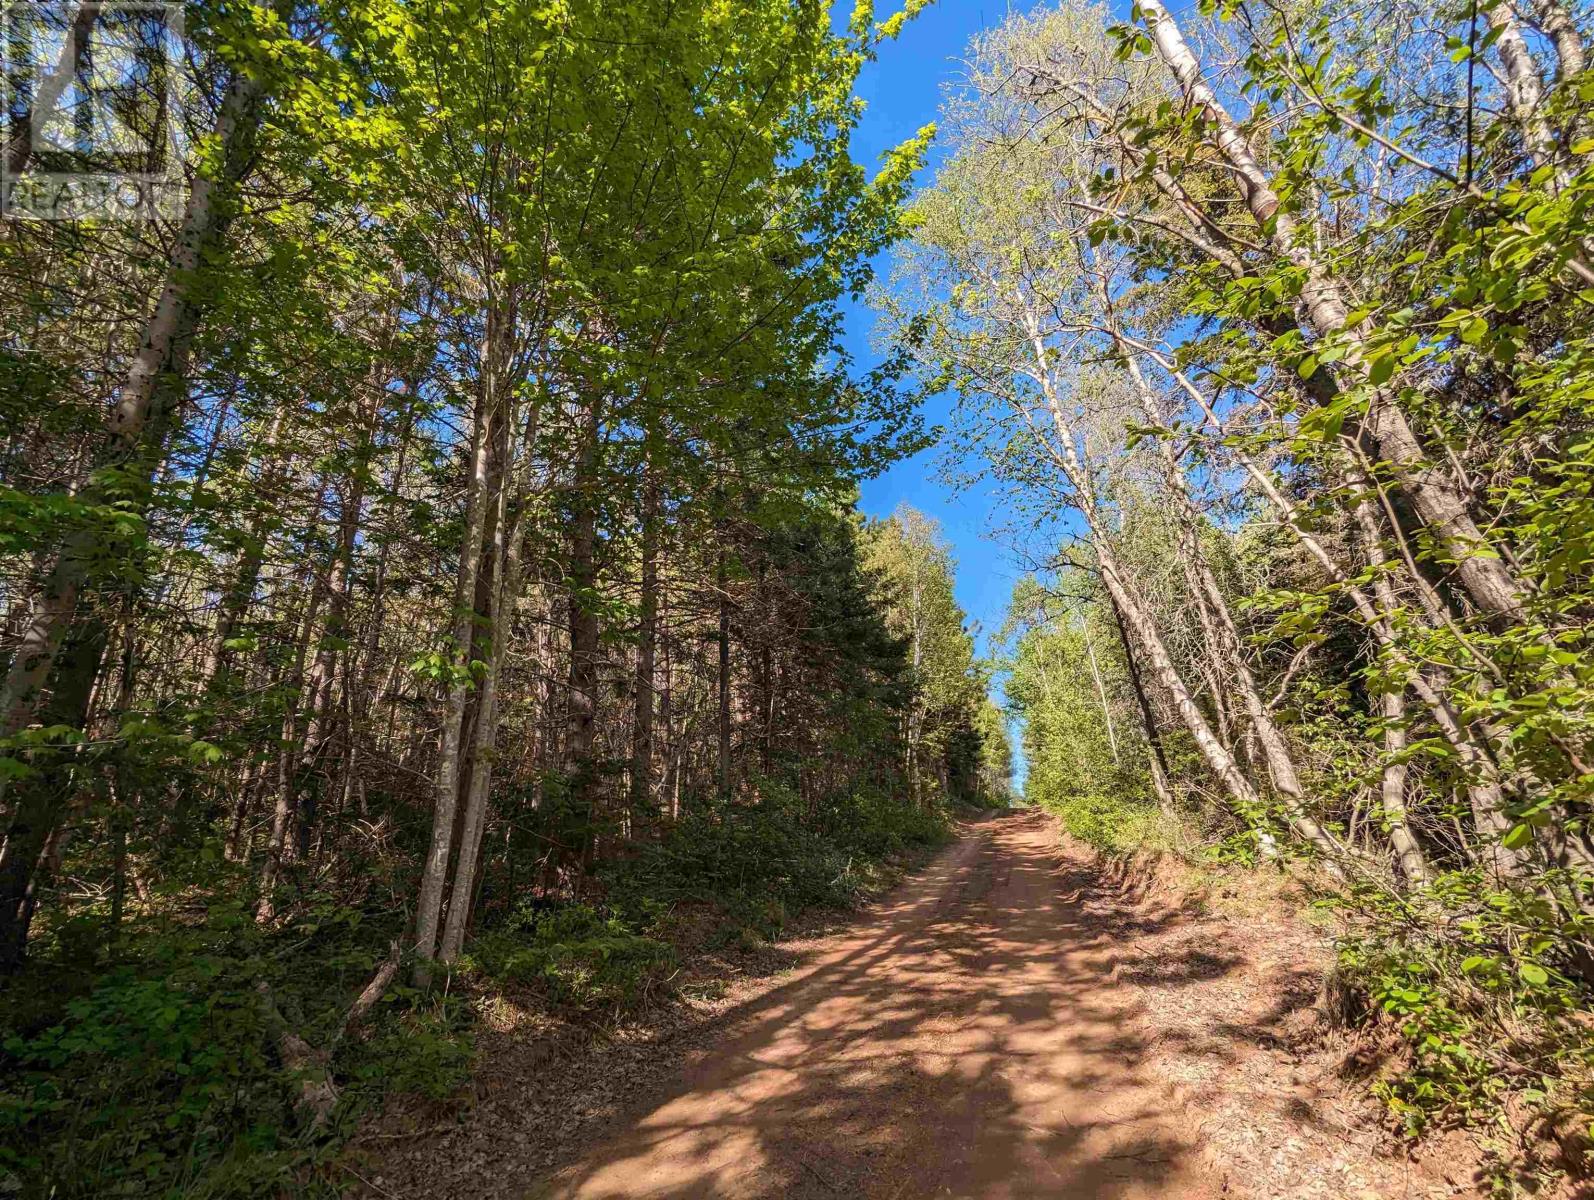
x=1015, y=1020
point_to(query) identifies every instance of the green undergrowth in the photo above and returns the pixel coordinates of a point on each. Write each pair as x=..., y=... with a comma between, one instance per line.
x=762, y=866
x=1118, y=824
x=147, y=1063
x=726, y=878
x=1491, y=1018
x=578, y=956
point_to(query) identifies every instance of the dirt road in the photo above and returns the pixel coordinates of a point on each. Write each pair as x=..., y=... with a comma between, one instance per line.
x=963, y=1040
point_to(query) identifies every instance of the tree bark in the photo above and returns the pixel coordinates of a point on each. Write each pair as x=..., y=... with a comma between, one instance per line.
x=134, y=437
x=1128, y=604
x=1435, y=497
x=434, y=872
x=1101, y=695
x=581, y=714
x=1275, y=753
x=1524, y=90
x=723, y=678
x=646, y=698
x=484, y=732
x=1161, y=774
x=1484, y=788
x=1392, y=790
x=507, y=538
x=1553, y=18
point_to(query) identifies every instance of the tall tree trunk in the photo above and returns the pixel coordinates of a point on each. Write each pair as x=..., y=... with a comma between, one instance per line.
x=916, y=698
x=1101, y=695
x=1275, y=753
x=504, y=538
x=1483, y=787
x=134, y=438
x=723, y=677
x=1161, y=775
x=333, y=650
x=1392, y=789
x=1133, y=612
x=582, y=692
x=1524, y=90
x=279, y=848
x=1433, y=494
x=445, y=801
x=671, y=793
x=240, y=591
x=1483, y=781
x=646, y=685
x=1553, y=18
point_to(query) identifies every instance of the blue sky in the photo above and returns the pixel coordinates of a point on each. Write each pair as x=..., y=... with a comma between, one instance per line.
x=903, y=90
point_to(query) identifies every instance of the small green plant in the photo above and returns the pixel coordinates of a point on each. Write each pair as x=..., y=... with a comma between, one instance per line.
x=579, y=957
x=422, y=1047
x=159, y=1073
x=1484, y=1002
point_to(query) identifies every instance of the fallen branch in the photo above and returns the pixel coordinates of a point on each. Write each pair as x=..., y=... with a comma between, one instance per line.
x=373, y=992
x=317, y=1093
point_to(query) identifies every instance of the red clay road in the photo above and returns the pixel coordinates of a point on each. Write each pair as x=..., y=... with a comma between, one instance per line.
x=963, y=1040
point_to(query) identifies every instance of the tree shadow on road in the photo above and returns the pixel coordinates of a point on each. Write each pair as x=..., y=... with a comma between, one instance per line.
x=968, y=1041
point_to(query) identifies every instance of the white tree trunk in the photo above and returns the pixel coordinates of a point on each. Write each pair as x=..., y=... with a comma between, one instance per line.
x=1436, y=498
x=1129, y=604
x=434, y=872
x=508, y=544
x=1209, y=595
x=1101, y=694
x=1392, y=789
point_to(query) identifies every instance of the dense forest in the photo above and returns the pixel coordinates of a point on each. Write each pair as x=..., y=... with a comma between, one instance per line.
x=433, y=556
x=443, y=523
x=1271, y=327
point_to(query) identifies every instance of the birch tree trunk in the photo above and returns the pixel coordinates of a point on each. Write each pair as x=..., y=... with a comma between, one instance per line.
x=1524, y=90
x=1484, y=788
x=1132, y=611
x=1553, y=18
x=1101, y=695
x=434, y=871
x=1161, y=774
x=1435, y=497
x=505, y=537
x=1275, y=753
x=134, y=437
x=1392, y=789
